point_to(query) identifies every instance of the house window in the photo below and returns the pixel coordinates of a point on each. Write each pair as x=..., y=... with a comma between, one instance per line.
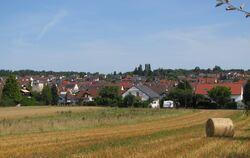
x=137, y=94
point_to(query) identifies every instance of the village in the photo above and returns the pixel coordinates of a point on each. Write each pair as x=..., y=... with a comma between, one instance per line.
x=144, y=85
x=124, y=79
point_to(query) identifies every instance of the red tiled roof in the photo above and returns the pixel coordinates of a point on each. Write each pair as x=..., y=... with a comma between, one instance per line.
x=243, y=82
x=125, y=85
x=207, y=80
x=203, y=89
x=92, y=92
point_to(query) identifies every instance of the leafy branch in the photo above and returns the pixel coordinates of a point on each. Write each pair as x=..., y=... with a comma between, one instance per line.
x=231, y=7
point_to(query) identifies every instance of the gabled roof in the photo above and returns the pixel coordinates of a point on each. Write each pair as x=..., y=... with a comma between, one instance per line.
x=70, y=86
x=236, y=89
x=92, y=92
x=149, y=92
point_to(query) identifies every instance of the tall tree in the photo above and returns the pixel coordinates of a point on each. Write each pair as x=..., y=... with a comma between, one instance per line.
x=129, y=100
x=217, y=68
x=148, y=72
x=140, y=70
x=197, y=69
x=246, y=96
x=54, y=94
x=109, y=96
x=184, y=85
x=46, y=95
x=221, y=95
x=11, y=90
x=182, y=94
x=181, y=97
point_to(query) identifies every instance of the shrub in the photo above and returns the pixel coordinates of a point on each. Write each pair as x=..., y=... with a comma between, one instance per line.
x=206, y=105
x=90, y=103
x=7, y=102
x=129, y=101
x=28, y=101
x=231, y=105
x=142, y=104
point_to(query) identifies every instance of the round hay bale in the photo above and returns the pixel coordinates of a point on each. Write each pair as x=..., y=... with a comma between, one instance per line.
x=219, y=127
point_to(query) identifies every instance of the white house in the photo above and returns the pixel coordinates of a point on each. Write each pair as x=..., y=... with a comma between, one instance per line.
x=37, y=87
x=144, y=93
x=235, y=88
x=72, y=88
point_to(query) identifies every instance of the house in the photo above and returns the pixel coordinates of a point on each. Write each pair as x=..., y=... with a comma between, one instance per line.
x=236, y=90
x=72, y=88
x=37, y=86
x=62, y=98
x=145, y=94
x=87, y=96
x=71, y=99
x=124, y=86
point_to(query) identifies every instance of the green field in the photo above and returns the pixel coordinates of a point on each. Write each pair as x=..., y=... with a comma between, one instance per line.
x=113, y=132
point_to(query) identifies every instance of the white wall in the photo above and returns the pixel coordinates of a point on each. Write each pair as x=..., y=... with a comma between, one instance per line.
x=155, y=103
x=134, y=92
x=37, y=87
x=238, y=98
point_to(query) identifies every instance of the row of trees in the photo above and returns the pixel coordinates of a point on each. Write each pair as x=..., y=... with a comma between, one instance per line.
x=40, y=73
x=109, y=96
x=11, y=95
x=173, y=74
x=183, y=96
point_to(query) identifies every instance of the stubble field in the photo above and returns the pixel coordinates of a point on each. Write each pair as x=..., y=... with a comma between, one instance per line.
x=111, y=133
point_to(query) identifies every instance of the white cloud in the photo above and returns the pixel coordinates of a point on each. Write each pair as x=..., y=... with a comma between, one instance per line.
x=203, y=46
x=53, y=22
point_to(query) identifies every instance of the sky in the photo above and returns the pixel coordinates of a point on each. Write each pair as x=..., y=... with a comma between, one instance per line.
x=118, y=35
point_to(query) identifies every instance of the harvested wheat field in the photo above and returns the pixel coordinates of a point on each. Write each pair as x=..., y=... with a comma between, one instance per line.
x=118, y=133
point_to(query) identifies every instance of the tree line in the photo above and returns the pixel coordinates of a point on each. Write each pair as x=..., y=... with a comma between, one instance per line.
x=11, y=95
x=146, y=71
x=183, y=96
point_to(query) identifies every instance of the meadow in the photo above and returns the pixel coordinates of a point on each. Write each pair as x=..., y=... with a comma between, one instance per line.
x=97, y=132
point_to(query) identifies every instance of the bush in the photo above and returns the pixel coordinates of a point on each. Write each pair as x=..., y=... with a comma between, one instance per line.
x=231, y=105
x=90, y=103
x=28, y=101
x=109, y=96
x=7, y=102
x=207, y=105
x=129, y=101
x=142, y=104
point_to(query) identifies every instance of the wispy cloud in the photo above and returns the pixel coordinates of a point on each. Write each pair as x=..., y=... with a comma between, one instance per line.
x=53, y=22
x=204, y=46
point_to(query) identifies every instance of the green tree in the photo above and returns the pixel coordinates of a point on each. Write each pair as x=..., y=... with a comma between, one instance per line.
x=140, y=70
x=197, y=69
x=184, y=85
x=217, y=69
x=198, y=98
x=109, y=96
x=129, y=100
x=221, y=95
x=246, y=96
x=11, y=90
x=54, y=94
x=181, y=97
x=46, y=95
x=147, y=71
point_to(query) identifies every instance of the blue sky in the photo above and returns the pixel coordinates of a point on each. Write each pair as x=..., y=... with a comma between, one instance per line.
x=117, y=35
